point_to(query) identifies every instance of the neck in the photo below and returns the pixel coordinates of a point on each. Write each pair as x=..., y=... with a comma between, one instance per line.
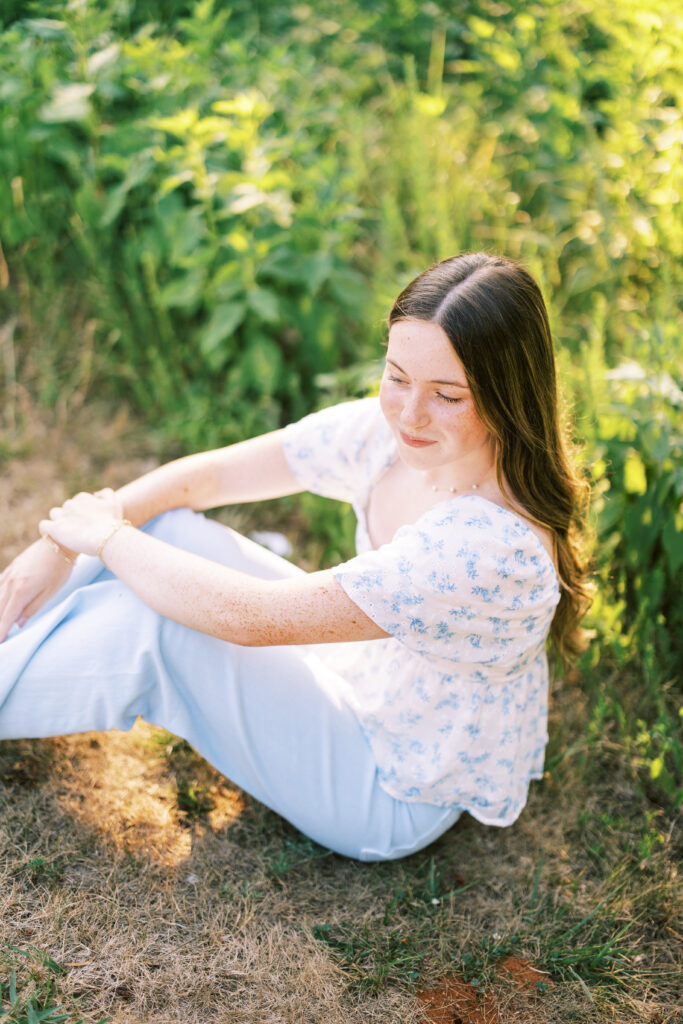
x=470, y=474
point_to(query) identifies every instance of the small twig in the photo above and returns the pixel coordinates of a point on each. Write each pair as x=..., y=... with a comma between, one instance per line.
x=4, y=270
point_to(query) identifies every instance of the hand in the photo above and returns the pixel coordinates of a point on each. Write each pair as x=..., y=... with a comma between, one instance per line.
x=83, y=522
x=28, y=582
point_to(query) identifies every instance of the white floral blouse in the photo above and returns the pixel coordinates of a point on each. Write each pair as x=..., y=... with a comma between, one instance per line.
x=454, y=703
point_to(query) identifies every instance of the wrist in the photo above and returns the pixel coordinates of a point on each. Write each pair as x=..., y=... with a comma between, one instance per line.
x=114, y=528
x=65, y=553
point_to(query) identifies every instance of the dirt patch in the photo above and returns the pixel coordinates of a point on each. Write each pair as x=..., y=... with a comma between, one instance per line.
x=456, y=1001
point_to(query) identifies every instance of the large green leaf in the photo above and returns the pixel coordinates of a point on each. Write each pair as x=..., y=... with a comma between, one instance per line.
x=224, y=320
x=265, y=304
x=184, y=292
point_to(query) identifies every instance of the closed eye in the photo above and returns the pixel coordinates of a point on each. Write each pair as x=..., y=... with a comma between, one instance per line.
x=445, y=398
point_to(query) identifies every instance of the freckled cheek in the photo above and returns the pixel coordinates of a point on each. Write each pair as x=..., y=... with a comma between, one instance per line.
x=464, y=424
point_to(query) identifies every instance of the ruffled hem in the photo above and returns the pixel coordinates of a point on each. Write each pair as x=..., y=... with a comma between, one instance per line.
x=501, y=812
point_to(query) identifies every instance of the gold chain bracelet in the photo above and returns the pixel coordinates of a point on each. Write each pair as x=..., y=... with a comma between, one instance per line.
x=71, y=559
x=117, y=526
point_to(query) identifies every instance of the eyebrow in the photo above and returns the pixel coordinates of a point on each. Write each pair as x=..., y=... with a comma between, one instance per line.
x=448, y=383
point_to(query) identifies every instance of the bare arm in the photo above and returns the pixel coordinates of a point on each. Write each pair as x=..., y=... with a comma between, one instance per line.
x=252, y=470
x=205, y=595
x=232, y=605
x=249, y=471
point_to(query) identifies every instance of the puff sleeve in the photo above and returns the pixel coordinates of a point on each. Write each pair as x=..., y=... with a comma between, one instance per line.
x=467, y=583
x=338, y=451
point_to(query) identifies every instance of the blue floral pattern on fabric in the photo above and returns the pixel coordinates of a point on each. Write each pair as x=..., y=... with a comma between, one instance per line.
x=454, y=703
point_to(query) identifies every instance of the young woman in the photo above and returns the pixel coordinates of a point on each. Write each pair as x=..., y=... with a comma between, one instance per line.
x=371, y=703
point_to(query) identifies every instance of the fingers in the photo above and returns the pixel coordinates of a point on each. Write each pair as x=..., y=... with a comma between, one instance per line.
x=79, y=499
x=45, y=525
x=32, y=607
x=12, y=611
x=84, y=501
x=28, y=582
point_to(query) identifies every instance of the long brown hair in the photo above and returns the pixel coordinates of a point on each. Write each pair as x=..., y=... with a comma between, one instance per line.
x=494, y=315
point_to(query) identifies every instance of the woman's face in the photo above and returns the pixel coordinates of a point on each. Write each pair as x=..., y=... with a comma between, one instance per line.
x=427, y=402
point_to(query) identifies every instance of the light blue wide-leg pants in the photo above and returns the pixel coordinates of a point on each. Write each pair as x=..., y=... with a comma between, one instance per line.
x=271, y=719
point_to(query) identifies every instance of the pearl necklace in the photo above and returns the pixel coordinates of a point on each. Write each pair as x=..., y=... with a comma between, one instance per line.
x=452, y=490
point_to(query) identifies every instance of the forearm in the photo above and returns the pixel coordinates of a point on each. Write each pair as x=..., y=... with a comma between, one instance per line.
x=252, y=470
x=185, y=483
x=231, y=605
x=203, y=595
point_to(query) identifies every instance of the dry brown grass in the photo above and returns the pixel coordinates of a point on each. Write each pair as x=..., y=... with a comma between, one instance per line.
x=167, y=895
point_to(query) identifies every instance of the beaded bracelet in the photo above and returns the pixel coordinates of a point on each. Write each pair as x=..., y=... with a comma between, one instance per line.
x=115, y=527
x=71, y=559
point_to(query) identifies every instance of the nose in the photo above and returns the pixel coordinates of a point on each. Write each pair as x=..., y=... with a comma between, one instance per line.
x=414, y=411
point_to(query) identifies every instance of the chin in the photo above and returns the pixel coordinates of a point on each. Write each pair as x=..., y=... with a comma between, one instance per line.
x=420, y=458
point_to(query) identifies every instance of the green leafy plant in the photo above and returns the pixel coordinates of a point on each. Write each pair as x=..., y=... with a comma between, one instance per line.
x=29, y=989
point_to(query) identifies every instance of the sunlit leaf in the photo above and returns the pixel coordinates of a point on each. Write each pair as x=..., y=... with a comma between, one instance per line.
x=238, y=240
x=635, y=481
x=249, y=198
x=179, y=124
x=245, y=104
x=103, y=58
x=174, y=181
x=525, y=22
x=45, y=28
x=429, y=106
x=484, y=29
x=69, y=103
x=506, y=58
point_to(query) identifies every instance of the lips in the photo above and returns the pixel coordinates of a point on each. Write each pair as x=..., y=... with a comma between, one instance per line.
x=414, y=442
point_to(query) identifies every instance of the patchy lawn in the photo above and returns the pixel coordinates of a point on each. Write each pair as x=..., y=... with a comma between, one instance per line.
x=138, y=885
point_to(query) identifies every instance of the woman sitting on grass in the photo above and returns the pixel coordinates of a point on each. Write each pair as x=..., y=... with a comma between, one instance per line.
x=369, y=704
